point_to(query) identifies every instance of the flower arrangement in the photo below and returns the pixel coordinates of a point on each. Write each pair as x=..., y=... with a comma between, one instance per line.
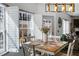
x=45, y=29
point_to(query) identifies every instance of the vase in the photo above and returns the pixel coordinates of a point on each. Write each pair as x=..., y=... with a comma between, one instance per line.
x=45, y=38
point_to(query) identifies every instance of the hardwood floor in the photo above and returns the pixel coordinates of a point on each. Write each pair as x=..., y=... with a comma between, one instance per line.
x=20, y=53
x=75, y=53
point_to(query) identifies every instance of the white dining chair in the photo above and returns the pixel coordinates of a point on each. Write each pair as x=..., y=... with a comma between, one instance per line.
x=53, y=38
x=70, y=48
x=69, y=51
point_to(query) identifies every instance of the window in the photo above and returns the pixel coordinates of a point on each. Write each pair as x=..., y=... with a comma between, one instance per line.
x=59, y=7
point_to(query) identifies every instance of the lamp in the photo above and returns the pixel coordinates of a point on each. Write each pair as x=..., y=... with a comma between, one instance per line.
x=56, y=7
x=71, y=7
x=64, y=8
x=48, y=7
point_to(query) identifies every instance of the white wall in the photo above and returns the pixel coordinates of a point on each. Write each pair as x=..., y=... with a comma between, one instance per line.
x=37, y=26
x=12, y=28
x=25, y=6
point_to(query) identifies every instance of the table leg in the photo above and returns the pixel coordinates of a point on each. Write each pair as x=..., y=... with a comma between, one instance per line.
x=33, y=50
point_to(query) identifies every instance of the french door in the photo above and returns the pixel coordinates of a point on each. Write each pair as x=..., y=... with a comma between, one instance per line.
x=66, y=26
x=2, y=31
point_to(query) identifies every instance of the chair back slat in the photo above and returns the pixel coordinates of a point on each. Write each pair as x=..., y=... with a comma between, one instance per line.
x=70, y=48
x=57, y=38
x=27, y=48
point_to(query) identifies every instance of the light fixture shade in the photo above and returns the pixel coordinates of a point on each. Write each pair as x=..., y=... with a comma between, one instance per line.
x=71, y=7
x=60, y=7
x=56, y=7
x=48, y=7
x=64, y=7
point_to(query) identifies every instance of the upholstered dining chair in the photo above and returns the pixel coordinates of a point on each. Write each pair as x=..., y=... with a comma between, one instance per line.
x=27, y=49
x=69, y=51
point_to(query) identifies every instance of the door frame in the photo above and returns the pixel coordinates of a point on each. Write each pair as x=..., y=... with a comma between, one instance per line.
x=4, y=30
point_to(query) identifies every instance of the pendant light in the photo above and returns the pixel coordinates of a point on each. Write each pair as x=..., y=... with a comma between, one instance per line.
x=64, y=7
x=71, y=9
x=48, y=7
x=56, y=7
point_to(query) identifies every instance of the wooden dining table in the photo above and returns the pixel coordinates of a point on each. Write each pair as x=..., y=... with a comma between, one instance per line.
x=51, y=48
x=34, y=44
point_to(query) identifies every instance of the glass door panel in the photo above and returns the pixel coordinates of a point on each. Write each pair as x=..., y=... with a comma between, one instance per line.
x=2, y=30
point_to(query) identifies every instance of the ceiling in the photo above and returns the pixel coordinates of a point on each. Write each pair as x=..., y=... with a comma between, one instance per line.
x=33, y=7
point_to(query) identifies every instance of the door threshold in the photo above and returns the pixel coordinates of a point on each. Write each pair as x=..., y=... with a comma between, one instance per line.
x=3, y=53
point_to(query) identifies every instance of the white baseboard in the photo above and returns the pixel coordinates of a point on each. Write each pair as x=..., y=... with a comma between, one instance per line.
x=3, y=53
x=13, y=50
